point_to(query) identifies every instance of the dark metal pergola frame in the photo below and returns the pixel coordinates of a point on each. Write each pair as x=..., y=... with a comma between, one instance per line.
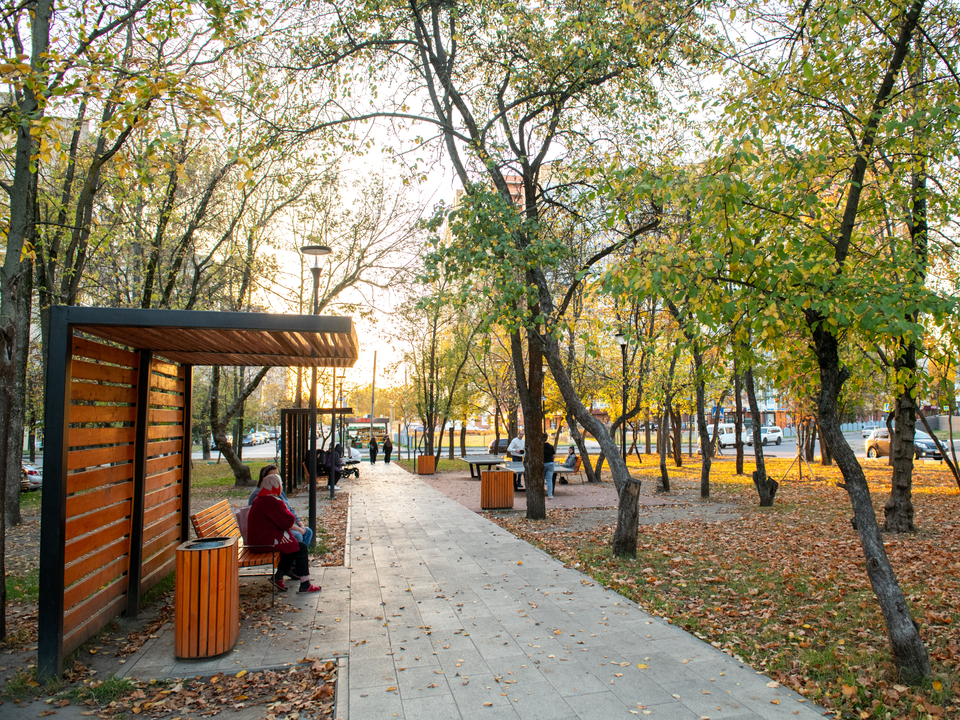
x=173, y=340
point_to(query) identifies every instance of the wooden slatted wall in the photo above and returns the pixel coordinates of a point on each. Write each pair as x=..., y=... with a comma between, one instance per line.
x=166, y=439
x=100, y=439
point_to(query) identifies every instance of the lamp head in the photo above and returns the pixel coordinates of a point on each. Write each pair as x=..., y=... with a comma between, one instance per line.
x=316, y=251
x=621, y=340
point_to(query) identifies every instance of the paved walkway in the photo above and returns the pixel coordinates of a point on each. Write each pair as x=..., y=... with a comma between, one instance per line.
x=442, y=614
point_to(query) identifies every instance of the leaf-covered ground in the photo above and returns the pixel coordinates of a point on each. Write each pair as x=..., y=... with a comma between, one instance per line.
x=304, y=691
x=784, y=588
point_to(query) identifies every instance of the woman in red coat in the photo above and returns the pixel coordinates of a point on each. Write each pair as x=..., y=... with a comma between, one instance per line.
x=270, y=523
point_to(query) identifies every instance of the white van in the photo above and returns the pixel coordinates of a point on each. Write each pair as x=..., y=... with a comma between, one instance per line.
x=727, y=435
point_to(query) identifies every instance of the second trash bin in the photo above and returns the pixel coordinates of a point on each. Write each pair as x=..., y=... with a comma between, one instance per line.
x=207, y=602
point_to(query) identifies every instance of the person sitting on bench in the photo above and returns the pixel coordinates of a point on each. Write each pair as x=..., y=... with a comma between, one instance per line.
x=270, y=523
x=302, y=533
x=569, y=464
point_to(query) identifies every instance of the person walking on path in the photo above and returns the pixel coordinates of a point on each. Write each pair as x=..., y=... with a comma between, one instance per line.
x=387, y=450
x=374, y=448
x=515, y=448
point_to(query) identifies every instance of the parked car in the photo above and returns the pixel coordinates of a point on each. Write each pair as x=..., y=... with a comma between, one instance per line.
x=498, y=447
x=771, y=434
x=249, y=440
x=869, y=428
x=727, y=435
x=31, y=477
x=878, y=445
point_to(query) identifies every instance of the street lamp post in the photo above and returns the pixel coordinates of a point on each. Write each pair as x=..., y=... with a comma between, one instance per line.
x=622, y=342
x=315, y=251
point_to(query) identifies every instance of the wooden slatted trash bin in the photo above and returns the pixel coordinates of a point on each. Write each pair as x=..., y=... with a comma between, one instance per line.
x=207, y=600
x=425, y=464
x=496, y=490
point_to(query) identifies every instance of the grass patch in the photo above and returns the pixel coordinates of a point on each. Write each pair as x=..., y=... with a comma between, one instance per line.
x=25, y=588
x=221, y=475
x=320, y=545
x=102, y=692
x=23, y=685
x=30, y=502
x=164, y=586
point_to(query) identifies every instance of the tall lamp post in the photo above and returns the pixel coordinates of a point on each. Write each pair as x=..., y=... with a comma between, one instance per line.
x=622, y=342
x=315, y=251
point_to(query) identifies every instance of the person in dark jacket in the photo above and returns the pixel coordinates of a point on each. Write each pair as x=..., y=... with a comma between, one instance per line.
x=548, y=467
x=374, y=449
x=387, y=450
x=271, y=523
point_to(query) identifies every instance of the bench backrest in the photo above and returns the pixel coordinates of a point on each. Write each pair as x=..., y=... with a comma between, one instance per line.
x=578, y=464
x=216, y=521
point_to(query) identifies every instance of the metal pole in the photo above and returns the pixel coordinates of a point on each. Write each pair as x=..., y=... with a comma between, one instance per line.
x=623, y=428
x=373, y=392
x=313, y=422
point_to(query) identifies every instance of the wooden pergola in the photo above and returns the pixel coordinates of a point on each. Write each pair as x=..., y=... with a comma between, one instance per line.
x=116, y=500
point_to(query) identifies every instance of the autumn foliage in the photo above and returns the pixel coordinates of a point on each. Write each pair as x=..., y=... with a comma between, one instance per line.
x=784, y=588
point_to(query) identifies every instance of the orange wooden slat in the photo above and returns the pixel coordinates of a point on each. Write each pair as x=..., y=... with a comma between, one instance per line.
x=78, y=482
x=87, y=619
x=78, y=614
x=81, y=370
x=159, y=415
x=105, y=353
x=91, y=522
x=85, y=585
x=79, y=547
x=164, y=447
x=80, y=459
x=164, y=399
x=159, y=366
x=162, y=432
x=96, y=499
x=158, y=481
x=102, y=413
x=162, y=382
x=84, y=437
x=161, y=497
x=102, y=393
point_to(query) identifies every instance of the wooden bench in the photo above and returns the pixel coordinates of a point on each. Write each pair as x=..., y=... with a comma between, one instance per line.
x=561, y=471
x=219, y=521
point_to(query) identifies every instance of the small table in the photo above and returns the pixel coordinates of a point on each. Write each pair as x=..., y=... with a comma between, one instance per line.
x=517, y=469
x=478, y=462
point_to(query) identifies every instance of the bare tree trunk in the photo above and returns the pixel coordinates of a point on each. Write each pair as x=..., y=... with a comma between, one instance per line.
x=663, y=440
x=647, y=433
x=908, y=651
x=578, y=439
x=826, y=457
x=219, y=424
x=898, y=510
x=703, y=432
x=738, y=420
x=766, y=486
x=675, y=426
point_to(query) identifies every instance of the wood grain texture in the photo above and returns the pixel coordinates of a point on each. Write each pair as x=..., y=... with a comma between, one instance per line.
x=496, y=490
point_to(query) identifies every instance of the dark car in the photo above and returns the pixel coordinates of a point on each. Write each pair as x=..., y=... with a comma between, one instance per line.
x=498, y=447
x=878, y=445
